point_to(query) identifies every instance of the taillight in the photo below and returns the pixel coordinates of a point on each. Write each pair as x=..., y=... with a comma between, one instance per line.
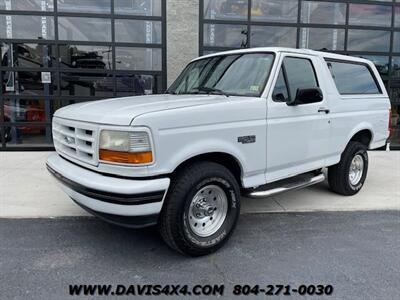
x=390, y=123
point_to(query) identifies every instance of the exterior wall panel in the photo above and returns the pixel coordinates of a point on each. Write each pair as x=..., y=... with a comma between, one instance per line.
x=182, y=35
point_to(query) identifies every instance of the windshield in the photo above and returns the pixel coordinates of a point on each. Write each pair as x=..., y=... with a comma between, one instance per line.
x=236, y=75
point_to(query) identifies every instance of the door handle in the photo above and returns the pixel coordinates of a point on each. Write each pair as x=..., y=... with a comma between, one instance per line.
x=325, y=110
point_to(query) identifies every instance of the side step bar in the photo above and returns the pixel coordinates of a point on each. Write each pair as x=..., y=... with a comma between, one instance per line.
x=289, y=185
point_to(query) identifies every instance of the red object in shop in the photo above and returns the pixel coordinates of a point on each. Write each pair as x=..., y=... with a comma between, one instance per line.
x=33, y=114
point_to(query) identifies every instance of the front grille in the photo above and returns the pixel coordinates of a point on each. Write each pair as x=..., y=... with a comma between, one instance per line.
x=76, y=139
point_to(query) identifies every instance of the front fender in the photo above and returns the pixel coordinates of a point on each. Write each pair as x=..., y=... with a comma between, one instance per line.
x=176, y=147
x=252, y=173
x=215, y=146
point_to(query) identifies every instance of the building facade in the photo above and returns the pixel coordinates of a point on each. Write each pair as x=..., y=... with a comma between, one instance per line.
x=57, y=52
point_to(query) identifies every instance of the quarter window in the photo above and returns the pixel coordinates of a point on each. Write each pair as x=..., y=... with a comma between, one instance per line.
x=280, y=93
x=353, y=78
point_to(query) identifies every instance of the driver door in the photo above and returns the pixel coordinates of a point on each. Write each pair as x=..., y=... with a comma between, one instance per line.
x=297, y=135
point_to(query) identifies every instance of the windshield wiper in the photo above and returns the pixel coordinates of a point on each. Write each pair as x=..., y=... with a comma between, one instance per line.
x=181, y=93
x=211, y=90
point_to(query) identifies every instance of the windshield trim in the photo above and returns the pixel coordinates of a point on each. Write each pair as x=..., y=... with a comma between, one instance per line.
x=168, y=91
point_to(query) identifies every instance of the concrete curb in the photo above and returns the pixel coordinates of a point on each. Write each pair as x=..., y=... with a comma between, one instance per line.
x=28, y=191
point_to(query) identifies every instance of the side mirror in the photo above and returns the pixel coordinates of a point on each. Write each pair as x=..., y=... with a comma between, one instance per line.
x=279, y=97
x=307, y=96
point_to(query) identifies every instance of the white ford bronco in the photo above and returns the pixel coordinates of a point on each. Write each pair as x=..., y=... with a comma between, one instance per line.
x=250, y=123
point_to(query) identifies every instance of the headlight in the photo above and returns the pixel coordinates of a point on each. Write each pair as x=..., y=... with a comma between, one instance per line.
x=125, y=147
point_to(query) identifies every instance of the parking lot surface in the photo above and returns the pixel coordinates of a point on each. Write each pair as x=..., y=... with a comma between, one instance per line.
x=355, y=252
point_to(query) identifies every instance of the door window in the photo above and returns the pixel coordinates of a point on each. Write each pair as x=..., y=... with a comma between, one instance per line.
x=295, y=74
x=300, y=74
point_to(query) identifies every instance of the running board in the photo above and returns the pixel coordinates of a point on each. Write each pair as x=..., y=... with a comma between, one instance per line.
x=285, y=185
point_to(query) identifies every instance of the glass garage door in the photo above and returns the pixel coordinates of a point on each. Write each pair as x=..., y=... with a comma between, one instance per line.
x=57, y=52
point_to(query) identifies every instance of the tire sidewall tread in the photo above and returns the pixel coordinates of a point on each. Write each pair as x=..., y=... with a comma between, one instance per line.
x=338, y=175
x=184, y=185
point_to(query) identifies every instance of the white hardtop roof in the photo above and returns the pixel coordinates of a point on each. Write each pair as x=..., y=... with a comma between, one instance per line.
x=289, y=50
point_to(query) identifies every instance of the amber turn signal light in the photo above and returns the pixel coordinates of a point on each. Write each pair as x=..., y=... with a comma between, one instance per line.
x=126, y=157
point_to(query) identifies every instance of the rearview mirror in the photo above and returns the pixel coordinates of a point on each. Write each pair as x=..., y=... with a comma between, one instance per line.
x=307, y=96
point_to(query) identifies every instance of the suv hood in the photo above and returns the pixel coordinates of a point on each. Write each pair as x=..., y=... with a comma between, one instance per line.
x=122, y=111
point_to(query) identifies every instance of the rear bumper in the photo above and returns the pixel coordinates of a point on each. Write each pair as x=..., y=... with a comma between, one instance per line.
x=123, y=201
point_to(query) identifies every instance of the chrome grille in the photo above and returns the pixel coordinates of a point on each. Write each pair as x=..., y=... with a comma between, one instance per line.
x=75, y=139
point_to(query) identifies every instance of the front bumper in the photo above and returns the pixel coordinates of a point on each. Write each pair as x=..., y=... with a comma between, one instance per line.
x=123, y=201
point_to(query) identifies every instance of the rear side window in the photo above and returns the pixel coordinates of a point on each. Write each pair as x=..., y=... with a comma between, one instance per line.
x=353, y=78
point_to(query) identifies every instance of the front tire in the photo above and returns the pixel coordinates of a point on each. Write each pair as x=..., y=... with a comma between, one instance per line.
x=348, y=176
x=201, y=209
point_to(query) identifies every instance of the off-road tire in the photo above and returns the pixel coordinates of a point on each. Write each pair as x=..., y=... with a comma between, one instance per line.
x=185, y=184
x=338, y=175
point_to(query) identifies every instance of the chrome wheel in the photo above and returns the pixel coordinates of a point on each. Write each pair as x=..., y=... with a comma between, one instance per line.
x=208, y=210
x=356, y=169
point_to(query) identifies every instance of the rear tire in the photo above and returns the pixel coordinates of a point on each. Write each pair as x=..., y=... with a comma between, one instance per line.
x=201, y=209
x=348, y=176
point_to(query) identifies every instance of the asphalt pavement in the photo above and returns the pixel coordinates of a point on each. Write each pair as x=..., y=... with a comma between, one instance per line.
x=355, y=252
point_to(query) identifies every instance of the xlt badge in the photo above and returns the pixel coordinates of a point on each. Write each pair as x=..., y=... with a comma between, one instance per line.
x=247, y=139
